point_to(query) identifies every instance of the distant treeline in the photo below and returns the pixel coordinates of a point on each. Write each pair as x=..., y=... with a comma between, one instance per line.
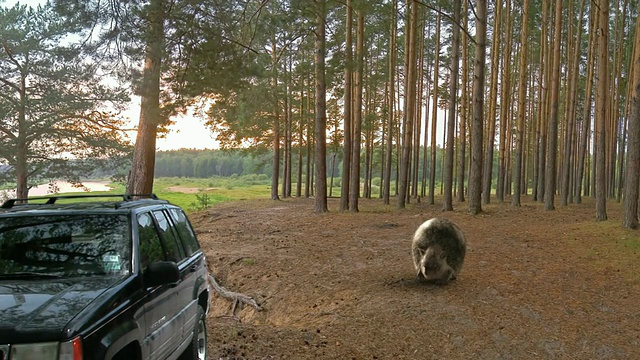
x=208, y=163
x=192, y=163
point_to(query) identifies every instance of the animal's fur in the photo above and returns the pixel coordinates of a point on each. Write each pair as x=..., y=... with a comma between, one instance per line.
x=438, y=250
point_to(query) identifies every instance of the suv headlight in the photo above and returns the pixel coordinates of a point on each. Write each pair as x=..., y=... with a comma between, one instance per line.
x=68, y=350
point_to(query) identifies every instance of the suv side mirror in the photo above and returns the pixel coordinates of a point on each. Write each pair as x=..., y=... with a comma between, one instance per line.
x=161, y=273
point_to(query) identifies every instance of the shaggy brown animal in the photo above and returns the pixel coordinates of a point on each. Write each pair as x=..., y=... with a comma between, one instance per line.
x=438, y=250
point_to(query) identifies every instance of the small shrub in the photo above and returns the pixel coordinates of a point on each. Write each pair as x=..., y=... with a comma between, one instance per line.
x=203, y=201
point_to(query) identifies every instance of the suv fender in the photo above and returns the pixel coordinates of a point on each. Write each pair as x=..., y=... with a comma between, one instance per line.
x=120, y=337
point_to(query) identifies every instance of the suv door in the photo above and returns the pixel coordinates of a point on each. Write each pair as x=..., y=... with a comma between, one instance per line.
x=162, y=309
x=186, y=295
x=194, y=263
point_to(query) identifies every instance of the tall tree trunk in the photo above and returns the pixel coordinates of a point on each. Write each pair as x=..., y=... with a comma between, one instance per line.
x=586, y=117
x=505, y=89
x=321, y=111
x=310, y=129
x=286, y=156
x=552, y=148
x=300, y=138
x=493, y=102
x=276, y=123
x=632, y=175
x=522, y=93
x=418, y=75
x=434, y=115
x=601, y=111
x=346, y=159
x=465, y=106
x=619, y=121
x=354, y=177
x=475, y=173
x=571, y=131
x=21, y=162
x=546, y=62
x=409, y=105
x=390, y=104
x=144, y=154
x=447, y=202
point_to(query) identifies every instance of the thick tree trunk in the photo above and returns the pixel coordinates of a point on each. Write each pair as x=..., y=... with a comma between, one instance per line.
x=601, y=111
x=409, y=106
x=632, y=176
x=552, y=145
x=475, y=173
x=346, y=159
x=462, y=156
x=321, y=111
x=144, y=155
x=354, y=177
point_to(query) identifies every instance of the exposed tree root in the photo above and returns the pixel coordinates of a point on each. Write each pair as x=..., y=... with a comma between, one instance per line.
x=237, y=298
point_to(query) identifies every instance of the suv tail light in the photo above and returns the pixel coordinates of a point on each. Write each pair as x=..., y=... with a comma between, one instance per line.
x=71, y=350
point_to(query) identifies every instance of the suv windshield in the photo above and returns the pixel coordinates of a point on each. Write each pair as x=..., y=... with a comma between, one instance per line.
x=64, y=246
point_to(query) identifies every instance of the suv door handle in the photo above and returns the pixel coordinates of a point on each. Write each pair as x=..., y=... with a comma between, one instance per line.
x=193, y=268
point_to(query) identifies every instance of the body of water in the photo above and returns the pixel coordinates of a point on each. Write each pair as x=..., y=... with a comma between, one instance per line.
x=61, y=187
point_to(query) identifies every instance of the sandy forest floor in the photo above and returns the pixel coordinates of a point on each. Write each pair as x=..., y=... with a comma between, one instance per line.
x=535, y=284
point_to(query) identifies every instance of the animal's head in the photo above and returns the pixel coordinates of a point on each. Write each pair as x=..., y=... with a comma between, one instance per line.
x=433, y=264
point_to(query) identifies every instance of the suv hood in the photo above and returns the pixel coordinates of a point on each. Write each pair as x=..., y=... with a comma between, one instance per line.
x=43, y=309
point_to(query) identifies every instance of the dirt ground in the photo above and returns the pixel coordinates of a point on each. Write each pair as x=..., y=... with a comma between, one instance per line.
x=535, y=284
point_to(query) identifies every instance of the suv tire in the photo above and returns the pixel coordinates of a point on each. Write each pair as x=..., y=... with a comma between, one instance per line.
x=197, y=350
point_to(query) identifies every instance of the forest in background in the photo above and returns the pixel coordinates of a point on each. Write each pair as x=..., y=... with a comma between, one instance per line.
x=544, y=92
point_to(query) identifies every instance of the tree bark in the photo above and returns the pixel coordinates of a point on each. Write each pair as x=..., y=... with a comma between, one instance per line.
x=552, y=141
x=586, y=117
x=601, y=111
x=346, y=159
x=447, y=202
x=632, y=175
x=276, y=124
x=354, y=177
x=475, y=173
x=144, y=154
x=462, y=156
x=434, y=116
x=493, y=102
x=321, y=111
x=505, y=89
x=522, y=93
x=390, y=105
x=409, y=106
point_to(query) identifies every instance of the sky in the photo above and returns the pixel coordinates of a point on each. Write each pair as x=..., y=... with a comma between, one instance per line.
x=187, y=132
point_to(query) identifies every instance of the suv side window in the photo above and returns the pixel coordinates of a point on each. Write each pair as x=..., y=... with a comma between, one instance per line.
x=185, y=230
x=150, y=245
x=175, y=252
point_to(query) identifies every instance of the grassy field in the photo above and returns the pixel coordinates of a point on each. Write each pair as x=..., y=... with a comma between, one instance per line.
x=196, y=194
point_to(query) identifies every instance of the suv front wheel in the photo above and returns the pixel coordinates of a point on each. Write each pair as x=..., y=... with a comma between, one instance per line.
x=197, y=350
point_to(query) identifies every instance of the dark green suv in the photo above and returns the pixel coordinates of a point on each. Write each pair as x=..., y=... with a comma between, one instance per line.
x=86, y=277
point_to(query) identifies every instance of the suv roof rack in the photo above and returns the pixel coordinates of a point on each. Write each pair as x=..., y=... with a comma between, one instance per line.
x=52, y=199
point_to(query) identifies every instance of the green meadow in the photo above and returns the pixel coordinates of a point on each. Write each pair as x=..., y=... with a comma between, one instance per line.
x=197, y=194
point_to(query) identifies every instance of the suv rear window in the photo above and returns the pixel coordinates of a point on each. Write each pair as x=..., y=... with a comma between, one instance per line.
x=65, y=245
x=185, y=231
